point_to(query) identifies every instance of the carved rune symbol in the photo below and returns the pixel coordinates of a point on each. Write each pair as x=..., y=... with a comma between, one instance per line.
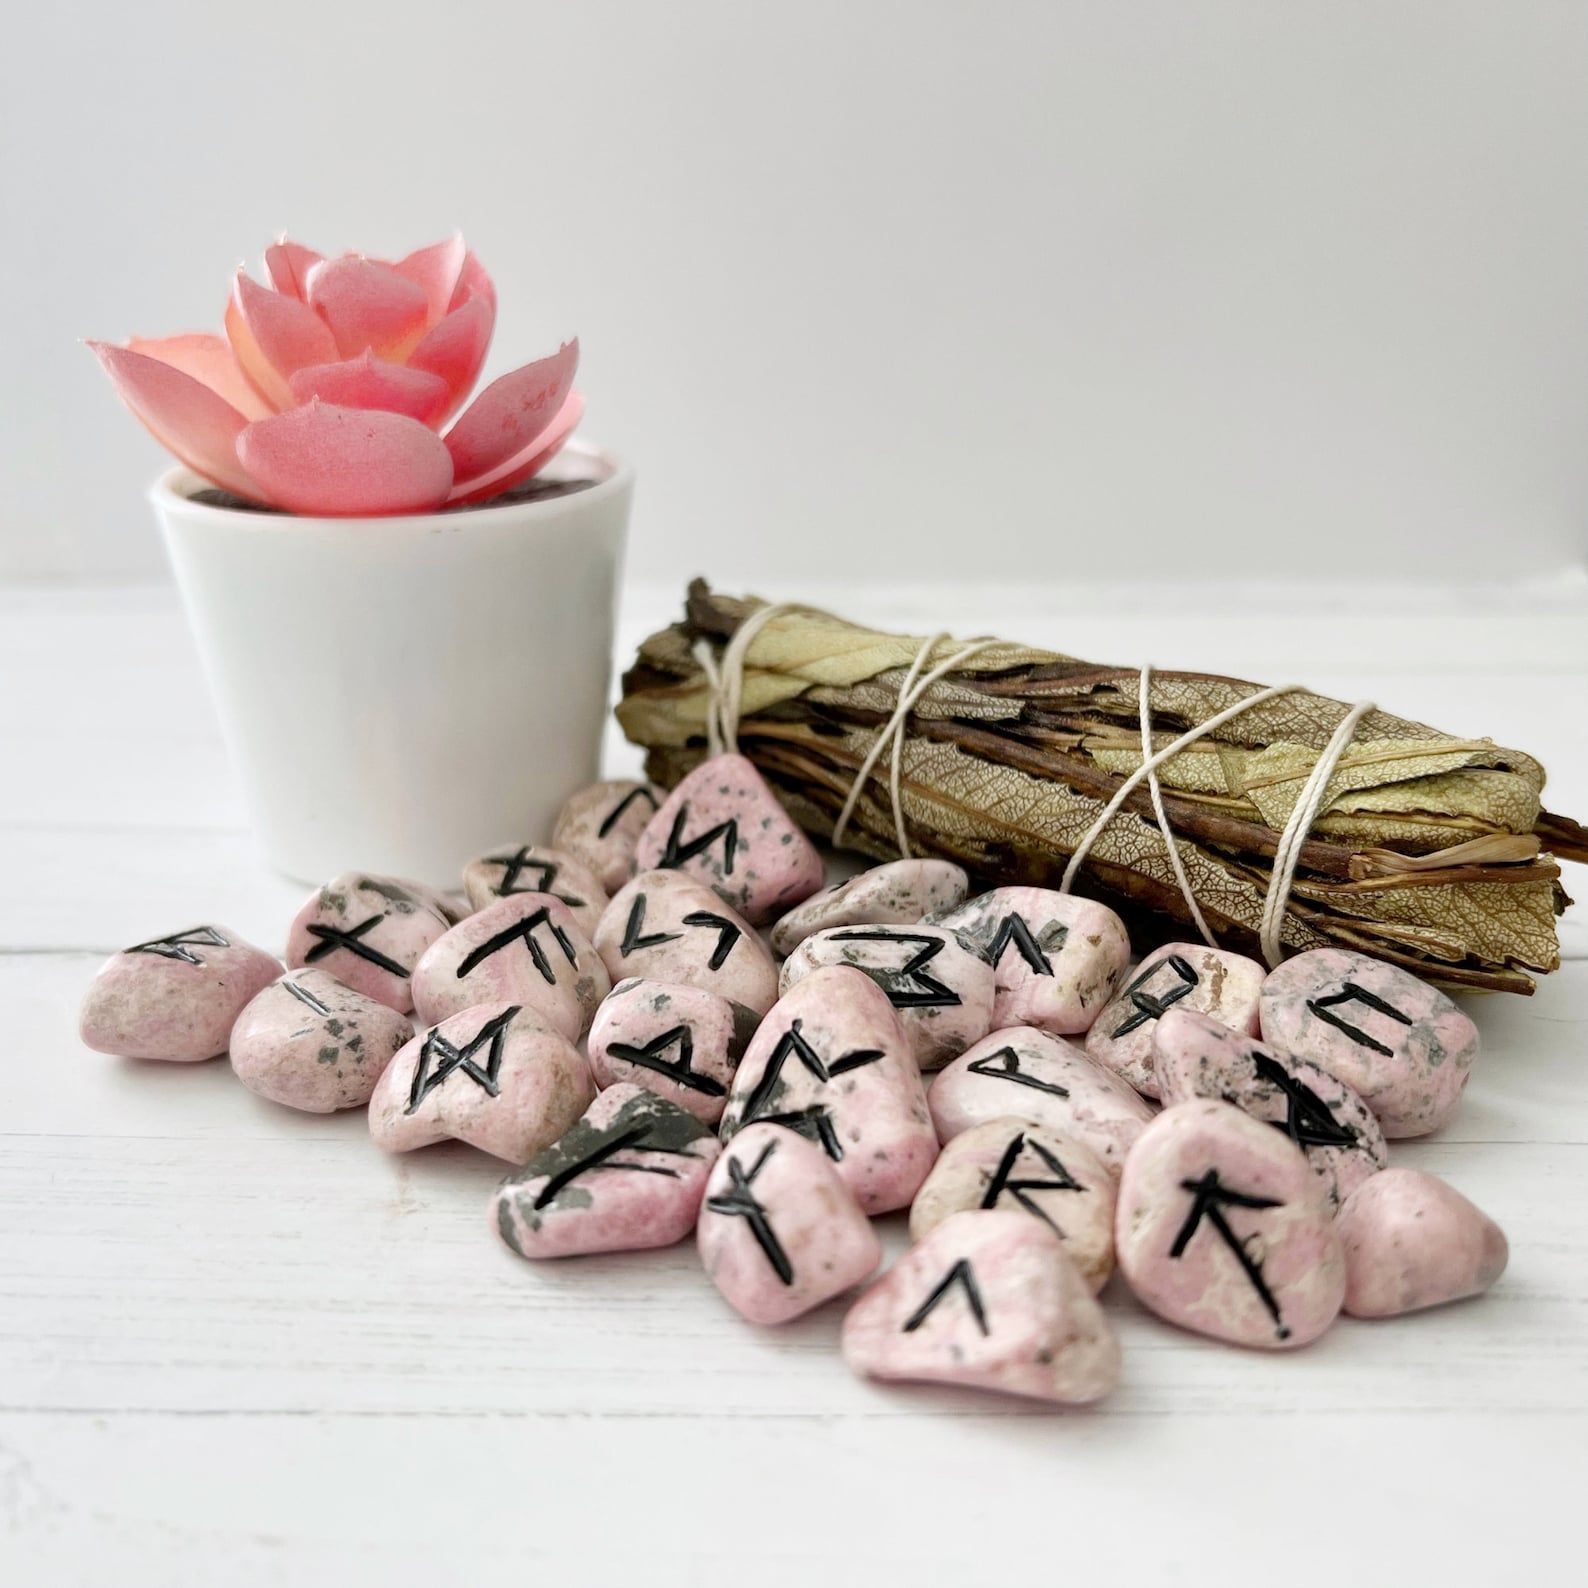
x=1307, y=1120
x=1150, y=1005
x=523, y=932
x=604, y=1156
x=615, y=815
x=1004, y=1065
x=1021, y=1190
x=727, y=935
x=351, y=938
x=963, y=1275
x=678, y=852
x=741, y=1203
x=1210, y=1198
x=681, y=1069
x=515, y=865
x=927, y=992
x=634, y=937
x=814, y=1122
x=438, y=1058
x=1014, y=929
x=1349, y=992
x=180, y=945
x=304, y=996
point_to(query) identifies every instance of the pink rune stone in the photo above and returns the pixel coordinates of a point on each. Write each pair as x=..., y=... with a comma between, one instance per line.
x=1222, y=1228
x=525, y=949
x=1194, y=1056
x=1399, y=1043
x=311, y=1042
x=174, y=997
x=1413, y=1241
x=1030, y=1075
x=1057, y=958
x=1019, y=1167
x=723, y=827
x=500, y=1077
x=991, y=1300
x=664, y=927
x=780, y=1232
x=369, y=933
x=524, y=868
x=832, y=1062
x=942, y=991
x=899, y=893
x=681, y=1042
x=627, y=1176
x=1177, y=976
x=601, y=824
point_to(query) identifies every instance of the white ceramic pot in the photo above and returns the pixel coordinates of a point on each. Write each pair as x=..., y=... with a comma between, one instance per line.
x=400, y=693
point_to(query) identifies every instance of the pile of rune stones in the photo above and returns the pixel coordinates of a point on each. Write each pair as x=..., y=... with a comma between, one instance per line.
x=606, y=1017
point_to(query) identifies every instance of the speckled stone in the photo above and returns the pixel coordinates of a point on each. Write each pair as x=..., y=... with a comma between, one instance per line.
x=896, y=894
x=527, y=868
x=780, y=1232
x=525, y=949
x=1402, y=1045
x=369, y=932
x=990, y=1300
x=1413, y=1241
x=1176, y=976
x=1057, y=958
x=941, y=990
x=499, y=1076
x=1222, y=1228
x=1019, y=1167
x=313, y=1043
x=681, y=1042
x=174, y=997
x=723, y=827
x=601, y=824
x=1031, y=1075
x=832, y=1061
x=628, y=1175
x=664, y=927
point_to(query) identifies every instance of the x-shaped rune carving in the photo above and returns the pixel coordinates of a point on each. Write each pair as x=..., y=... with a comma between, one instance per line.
x=1210, y=1198
x=1148, y=1006
x=1015, y=929
x=908, y=986
x=615, y=815
x=523, y=932
x=604, y=1156
x=1349, y=992
x=1004, y=1065
x=331, y=938
x=963, y=1275
x=439, y=1058
x=678, y=852
x=180, y=945
x=815, y=1121
x=740, y=1202
x=1021, y=1189
x=516, y=864
x=1308, y=1121
x=681, y=1069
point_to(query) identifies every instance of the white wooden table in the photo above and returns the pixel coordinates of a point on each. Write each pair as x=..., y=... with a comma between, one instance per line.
x=240, y=1345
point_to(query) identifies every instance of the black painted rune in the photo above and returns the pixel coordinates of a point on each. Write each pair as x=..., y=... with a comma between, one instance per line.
x=615, y=815
x=604, y=1156
x=908, y=986
x=680, y=1069
x=523, y=932
x=1021, y=1189
x=515, y=865
x=1349, y=992
x=1210, y=1198
x=439, y=1058
x=331, y=938
x=1014, y=929
x=180, y=945
x=1004, y=1065
x=679, y=851
x=1308, y=1120
x=741, y=1203
x=1149, y=1006
x=963, y=1275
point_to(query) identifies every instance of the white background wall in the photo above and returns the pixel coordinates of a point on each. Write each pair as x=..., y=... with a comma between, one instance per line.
x=970, y=290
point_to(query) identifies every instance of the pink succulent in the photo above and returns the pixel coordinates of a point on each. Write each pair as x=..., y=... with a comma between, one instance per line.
x=327, y=393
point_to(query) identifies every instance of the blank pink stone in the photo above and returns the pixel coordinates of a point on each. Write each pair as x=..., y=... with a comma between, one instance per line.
x=600, y=825
x=780, y=1232
x=529, y=868
x=989, y=1300
x=174, y=997
x=723, y=827
x=628, y=1175
x=898, y=893
x=1276, y=1279
x=1412, y=1241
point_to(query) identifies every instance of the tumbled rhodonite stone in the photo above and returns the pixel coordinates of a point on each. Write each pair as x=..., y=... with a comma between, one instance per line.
x=369, y=933
x=174, y=997
x=664, y=927
x=526, y=868
x=498, y=1076
x=524, y=949
x=991, y=1300
x=831, y=1061
x=1222, y=1227
x=1018, y=1166
x=1194, y=1056
x=1413, y=1241
x=942, y=991
x=311, y=1042
x=1400, y=1044
x=780, y=1232
x=1178, y=976
x=601, y=824
x=628, y=1175
x=723, y=827
x=681, y=1042
x=1031, y=1075
x=899, y=893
